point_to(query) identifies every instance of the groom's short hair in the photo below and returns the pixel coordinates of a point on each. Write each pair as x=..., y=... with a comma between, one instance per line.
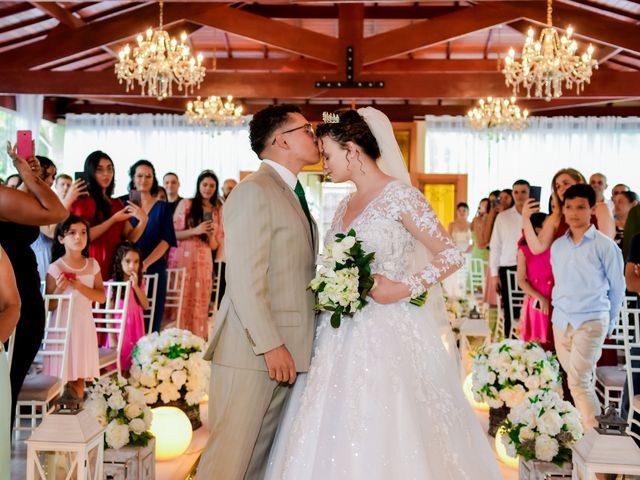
x=267, y=121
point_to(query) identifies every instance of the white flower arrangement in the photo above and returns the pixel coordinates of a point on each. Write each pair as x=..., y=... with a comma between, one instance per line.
x=168, y=366
x=122, y=409
x=504, y=372
x=543, y=427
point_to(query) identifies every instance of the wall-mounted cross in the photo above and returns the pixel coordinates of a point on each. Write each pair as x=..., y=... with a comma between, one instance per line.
x=350, y=82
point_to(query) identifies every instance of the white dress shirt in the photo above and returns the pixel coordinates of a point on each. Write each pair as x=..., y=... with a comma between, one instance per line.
x=286, y=174
x=503, y=247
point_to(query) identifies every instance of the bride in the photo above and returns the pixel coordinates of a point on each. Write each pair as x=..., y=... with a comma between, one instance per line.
x=382, y=398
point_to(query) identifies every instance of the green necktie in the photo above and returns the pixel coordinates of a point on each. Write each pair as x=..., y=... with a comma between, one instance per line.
x=303, y=203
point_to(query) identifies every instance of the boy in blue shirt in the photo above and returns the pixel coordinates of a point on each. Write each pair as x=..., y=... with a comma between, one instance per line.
x=587, y=297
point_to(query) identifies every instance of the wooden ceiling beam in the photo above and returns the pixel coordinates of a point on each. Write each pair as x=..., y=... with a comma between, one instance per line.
x=408, y=65
x=438, y=30
x=64, y=16
x=351, y=33
x=272, y=32
x=595, y=6
x=61, y=43
x=605, y=84
x=386, y=12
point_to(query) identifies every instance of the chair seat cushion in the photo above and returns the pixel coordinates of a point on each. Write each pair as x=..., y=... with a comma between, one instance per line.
x=107, y=356
x=612, y=376
x=40, y=388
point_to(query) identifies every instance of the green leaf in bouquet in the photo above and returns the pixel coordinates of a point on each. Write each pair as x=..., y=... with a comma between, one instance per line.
x=351, y=233
x=335, y=320
x=420, y=300
x=365, y=260
x=340, y=236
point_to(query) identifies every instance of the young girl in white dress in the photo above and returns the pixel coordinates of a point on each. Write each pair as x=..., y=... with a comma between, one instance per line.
x=383, y=398
x=73, y=271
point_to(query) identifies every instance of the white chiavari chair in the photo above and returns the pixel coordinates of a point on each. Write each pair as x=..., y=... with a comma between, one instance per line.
x=477, y=278
x=110, y=319
x=151, y=290
x=516, y=300
x=631, y=326
x=38, y=390
x=610, y=379
x=175, y=291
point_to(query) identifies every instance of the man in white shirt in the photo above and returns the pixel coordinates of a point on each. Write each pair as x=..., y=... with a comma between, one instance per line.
x=503, y=246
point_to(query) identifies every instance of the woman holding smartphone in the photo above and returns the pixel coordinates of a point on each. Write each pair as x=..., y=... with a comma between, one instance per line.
x=158, y=235
x=107, y=216
x=22, y=211
x=197, y=223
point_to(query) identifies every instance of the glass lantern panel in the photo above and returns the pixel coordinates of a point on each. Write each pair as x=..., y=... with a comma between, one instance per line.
x=93, y=467
x=52, y=465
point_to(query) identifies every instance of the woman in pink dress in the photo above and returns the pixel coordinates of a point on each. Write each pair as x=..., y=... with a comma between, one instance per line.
x=197, y=225
x=127, y=267
x=74, y=272
x=535, y=278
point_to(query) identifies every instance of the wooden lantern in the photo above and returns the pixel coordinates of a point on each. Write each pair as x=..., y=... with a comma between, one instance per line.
x=67, y=444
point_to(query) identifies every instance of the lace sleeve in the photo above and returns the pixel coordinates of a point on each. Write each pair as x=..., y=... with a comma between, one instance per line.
x=418, y=217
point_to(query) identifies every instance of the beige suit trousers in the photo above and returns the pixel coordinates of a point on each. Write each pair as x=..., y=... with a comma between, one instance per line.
x=579, y=350
x=243, y=420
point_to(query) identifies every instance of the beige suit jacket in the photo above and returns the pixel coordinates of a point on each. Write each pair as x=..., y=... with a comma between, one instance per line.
x=270, y=253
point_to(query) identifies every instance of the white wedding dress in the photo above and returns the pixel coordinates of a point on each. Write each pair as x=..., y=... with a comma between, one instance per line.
x=382, y=398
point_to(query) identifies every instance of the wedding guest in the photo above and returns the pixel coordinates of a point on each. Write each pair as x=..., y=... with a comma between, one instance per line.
x=555, y=225
x=535, y=278
x=127, y=267
x=623, y=203
x=504, y=246
x=74, y=272
x=158, y=235
x=9, y=314
x=631, y=229
x=632, y=278
x=584, y=313
x=21, y=213
x=617, y=188
x=490, y=296
x=196, y=224
x=172, y=186
x=228, y=185
x=42, y=246
x=480, y=250
x=460, y=231
x=598, y=182
x=12, y=181
x=62, y=185
x=162, y=194
x=107, y=216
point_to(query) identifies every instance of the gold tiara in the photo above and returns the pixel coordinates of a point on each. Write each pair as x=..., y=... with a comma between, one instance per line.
x=330, y=117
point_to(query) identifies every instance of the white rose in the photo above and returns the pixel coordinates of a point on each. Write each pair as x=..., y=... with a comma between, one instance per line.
x=550, y=423
x=147, y=416
x=518, y=394
x=164, y=374
x=348, y=242
x=135, y=395
x=147, y=380
x=532, y=382
x=116, y=401
x=151, y=396
x=168, y=392
x=193, y=398
x=546, y=448
x=117, y=435
x=179, y=377
x=137, y=426
x=132, y=411
x=97, y=407
x=526, y=434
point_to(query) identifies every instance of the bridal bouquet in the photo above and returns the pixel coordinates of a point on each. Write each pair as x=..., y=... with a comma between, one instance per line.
x=122, y=409
x=168, y=366
x=504, y=372
x=344, y=278
x=543, y=427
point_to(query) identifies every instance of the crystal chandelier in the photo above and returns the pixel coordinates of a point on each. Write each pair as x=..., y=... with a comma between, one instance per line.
x=214, y=111
x=497, y=113
x=159, y=61
x=548, y=62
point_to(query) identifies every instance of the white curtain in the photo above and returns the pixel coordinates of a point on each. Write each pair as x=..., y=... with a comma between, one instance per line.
x=29, y=113
x=166, y=140
x=591, y=144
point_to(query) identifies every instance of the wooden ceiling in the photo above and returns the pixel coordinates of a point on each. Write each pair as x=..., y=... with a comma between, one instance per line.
x=434, y=57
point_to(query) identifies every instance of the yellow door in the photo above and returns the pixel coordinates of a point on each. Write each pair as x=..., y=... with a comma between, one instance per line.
x=442, y=197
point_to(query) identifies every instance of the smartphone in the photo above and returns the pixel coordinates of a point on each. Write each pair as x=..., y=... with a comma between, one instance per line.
x=81, y=176
x=24, y=143
x=135, y=197
x=69, y=275
x=207, y=216
x=536, y=304
x=535, y=192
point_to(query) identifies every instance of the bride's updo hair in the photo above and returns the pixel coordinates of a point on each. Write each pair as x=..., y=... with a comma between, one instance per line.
x=351, y=128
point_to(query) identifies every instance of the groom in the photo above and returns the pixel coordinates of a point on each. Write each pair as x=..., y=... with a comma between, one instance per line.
x=264, y=328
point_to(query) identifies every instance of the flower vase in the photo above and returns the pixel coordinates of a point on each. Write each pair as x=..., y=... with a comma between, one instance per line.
x=191, y=411
x=539, y=470
x=497, y=416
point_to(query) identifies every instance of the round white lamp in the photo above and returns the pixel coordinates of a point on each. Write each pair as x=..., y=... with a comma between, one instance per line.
x=501, y=450
x=466, y=387
x=172, y=430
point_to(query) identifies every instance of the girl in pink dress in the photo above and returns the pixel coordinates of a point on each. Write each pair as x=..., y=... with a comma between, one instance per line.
x=536, y=280
x=74, y=272
x=197, y=225
x=127, y=267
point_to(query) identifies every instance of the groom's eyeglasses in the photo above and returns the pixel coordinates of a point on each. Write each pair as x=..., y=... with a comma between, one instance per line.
x=306, y=126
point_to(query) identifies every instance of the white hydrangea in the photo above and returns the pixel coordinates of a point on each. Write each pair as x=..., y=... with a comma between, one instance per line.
x=546, y=448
